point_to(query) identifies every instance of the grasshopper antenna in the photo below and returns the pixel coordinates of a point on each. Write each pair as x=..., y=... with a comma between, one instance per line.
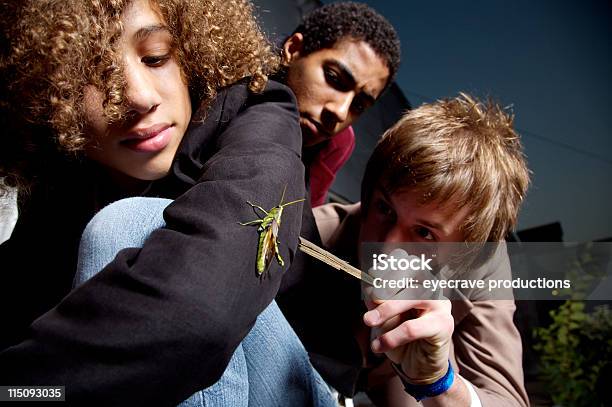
x=283, y=195
x=293, y=202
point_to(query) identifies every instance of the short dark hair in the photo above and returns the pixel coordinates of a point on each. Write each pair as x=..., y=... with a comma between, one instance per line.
x=327, y=25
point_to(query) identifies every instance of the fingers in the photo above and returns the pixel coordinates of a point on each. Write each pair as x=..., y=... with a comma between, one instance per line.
x=432, y=326
x=389, y=281
x=391, y=308
x=371, y=304
x=383, y=291
x=435, y=322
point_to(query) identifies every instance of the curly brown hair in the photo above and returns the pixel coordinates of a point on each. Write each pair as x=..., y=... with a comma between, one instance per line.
x=52, y=49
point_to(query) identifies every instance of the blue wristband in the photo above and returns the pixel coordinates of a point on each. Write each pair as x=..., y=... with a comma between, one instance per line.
x=420, y=392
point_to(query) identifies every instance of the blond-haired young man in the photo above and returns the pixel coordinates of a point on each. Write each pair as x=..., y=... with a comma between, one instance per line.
x=449, y=171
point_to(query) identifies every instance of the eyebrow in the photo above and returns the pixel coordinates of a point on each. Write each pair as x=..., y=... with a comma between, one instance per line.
x=431, y=225
x=346, y=72
x=146, y=31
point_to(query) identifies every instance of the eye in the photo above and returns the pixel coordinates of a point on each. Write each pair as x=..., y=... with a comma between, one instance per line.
x=155, y=60
x=424, y=233
x=332, y=77
x=336, y=79
x=384, y=209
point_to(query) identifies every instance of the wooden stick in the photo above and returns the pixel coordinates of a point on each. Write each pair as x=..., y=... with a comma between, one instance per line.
x=326, y=257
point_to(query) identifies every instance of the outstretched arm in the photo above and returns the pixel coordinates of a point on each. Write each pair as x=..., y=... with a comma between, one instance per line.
x=487, y=346
x=161, y=322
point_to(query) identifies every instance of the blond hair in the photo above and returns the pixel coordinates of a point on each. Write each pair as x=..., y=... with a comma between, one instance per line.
x=459, y=152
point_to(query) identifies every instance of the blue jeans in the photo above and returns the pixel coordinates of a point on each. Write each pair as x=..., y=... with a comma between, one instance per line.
x=269, y=368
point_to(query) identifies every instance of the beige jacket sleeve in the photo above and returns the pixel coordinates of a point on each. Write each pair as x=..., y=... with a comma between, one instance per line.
x=488, y=353
x=487, y=344
x=487, y=348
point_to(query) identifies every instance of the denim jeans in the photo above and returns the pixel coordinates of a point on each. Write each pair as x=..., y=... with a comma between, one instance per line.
x=269, y=368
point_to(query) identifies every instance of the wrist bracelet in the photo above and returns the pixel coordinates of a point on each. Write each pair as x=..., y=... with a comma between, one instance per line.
x=420, y=392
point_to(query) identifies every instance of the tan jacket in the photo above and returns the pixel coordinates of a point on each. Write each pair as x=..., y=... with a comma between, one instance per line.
x=486, y=344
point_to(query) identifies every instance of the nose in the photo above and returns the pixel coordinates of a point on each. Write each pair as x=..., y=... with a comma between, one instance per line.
x=338, y=109
x=141, y=90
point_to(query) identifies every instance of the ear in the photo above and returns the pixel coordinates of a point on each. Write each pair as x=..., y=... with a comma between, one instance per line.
x=292, y=48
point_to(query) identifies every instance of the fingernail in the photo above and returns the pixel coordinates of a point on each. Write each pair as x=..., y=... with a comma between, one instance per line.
x=376, y=345
x=372, y=317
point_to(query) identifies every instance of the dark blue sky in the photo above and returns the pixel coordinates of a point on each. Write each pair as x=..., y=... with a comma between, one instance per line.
x=551, y=61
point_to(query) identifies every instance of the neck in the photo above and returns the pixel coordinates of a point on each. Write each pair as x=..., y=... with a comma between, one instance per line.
x=128, y=186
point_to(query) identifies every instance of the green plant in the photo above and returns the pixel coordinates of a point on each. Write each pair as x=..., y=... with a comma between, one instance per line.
x=574, y=348
x=577, y=345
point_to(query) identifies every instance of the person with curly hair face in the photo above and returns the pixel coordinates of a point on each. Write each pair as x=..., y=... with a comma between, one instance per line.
x=337, y=62
x=167, y=103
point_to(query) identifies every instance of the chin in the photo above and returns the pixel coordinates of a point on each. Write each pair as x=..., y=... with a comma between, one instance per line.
x=150, y=172
x=154, y=175
x=312, y=141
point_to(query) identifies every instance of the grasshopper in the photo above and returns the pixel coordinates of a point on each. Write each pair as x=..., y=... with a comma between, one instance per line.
x=268, y=229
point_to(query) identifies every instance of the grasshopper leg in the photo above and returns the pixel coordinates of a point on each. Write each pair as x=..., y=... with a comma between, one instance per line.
x=278, y=256
x=253, y=222
x=254, y=206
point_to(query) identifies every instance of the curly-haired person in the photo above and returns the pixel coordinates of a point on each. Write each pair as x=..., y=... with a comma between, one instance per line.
x=147, y=99
x=337, y=62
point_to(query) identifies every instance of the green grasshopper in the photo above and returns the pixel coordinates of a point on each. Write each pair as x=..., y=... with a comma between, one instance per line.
x=268, y=229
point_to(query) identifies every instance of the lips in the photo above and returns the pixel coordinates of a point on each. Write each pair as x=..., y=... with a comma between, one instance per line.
x=149, y=140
